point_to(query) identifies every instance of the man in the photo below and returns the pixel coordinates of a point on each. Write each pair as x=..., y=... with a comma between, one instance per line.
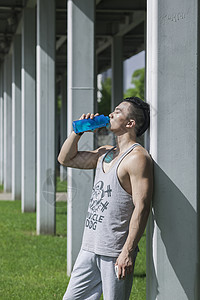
x=118, y=208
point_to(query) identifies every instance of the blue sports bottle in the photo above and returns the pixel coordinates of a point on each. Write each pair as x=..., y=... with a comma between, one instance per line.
x=90, y=124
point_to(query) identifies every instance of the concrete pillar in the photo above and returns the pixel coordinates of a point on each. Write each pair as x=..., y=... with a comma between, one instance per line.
x=173, y=92
x=8, y=123
x=57, y=124
x=16, y=118
x=117, y=71
x=46, y=117
x=1, y=124
x=81, y=88
x=28, y=110
x=63, y=121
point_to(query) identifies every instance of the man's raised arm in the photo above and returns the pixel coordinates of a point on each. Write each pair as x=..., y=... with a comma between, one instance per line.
x=69, y=155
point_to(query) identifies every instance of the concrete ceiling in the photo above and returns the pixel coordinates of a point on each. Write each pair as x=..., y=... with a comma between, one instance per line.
x=124, y=18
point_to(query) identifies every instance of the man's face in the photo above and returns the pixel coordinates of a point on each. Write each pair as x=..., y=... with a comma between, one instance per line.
x=119, y=117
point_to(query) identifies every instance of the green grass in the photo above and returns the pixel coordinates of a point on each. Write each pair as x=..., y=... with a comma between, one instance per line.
x=1, y=188
x=34, y=267
x=61, y=186
x=139, y=281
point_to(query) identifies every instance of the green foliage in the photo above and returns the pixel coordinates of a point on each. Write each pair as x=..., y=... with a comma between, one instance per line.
x=1, y=188
x=138, y=81
x=105, y=104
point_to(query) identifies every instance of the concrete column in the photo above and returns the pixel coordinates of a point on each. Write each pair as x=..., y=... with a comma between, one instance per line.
x=173, y=92
x=57, y=125
x=1, y=124
x=63, y=121
x=16, y=118
x=117, y=71
x=81, y=88
x=8, y=123
x=46, y=117
x=28, y=110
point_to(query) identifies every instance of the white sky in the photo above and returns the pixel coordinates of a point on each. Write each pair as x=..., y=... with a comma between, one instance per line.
x=130, y=65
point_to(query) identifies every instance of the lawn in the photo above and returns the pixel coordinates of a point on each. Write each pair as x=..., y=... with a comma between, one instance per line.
x=61, y=186
x=34, y=267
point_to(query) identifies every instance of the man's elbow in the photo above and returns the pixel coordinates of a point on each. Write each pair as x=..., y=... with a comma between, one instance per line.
x=61, y=161
x=144, y=209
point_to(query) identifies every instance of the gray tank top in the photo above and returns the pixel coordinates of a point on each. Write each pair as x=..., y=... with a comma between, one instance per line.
x=109, y=212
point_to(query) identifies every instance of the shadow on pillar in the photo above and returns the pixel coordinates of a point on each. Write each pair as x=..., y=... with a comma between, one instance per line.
x=151, y=279
x=177, y=222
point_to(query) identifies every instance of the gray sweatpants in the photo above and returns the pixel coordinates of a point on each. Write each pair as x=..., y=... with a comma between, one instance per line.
x=93, y=274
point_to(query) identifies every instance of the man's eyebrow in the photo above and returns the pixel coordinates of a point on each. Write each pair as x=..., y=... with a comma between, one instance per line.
x=117, y=108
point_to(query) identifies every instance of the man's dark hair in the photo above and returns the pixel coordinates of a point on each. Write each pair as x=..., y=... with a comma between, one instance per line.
x=140, y=112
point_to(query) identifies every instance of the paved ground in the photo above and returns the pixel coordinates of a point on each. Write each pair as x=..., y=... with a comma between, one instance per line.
x=5, y=196
x=8, y=196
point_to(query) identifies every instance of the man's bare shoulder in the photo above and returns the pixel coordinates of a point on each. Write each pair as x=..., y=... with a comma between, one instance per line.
x=139, y=160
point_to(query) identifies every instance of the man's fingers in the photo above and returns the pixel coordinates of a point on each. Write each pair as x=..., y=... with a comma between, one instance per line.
x=82, y=117
x=88, y=115
x=119, y=272
x=123, y=273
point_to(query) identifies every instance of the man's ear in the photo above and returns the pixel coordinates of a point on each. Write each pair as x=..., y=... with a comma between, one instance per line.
x=131, y=123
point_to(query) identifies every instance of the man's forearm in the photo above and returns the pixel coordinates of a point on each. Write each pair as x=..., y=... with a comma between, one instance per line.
x=136, y=228
x=69, y=148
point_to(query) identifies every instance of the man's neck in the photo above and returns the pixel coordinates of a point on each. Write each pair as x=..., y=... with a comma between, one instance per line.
x=123, y=142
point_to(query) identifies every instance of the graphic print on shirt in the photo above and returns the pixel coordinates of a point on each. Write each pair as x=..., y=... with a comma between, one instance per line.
x=97, y=205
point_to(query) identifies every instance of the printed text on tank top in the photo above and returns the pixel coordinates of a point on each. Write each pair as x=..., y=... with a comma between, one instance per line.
x=122, y=174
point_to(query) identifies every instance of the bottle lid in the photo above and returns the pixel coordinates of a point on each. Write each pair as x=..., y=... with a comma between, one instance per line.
x=108, y=119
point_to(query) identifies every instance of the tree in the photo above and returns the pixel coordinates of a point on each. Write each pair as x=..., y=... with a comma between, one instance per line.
x=105, y=103
x=138, y=81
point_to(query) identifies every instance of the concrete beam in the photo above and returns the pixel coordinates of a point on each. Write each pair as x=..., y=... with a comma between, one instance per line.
x=61, y=41
x=28, y=111
x=117, y=71
x=122, y=5
x=137, y=18
x=123, y=29
x=63, y=121
x=46, y=117
x=8, y=123
x=16, y=118
x=31, y=3
x=81, y=89
x=1, y=125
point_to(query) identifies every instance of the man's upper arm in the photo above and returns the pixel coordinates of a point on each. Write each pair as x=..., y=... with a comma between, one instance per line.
x=86, y=159
x=141, y=177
